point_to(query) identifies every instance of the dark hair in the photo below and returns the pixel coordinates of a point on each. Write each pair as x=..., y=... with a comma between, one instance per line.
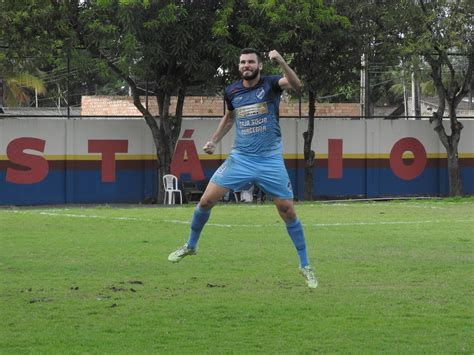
x=250, y=51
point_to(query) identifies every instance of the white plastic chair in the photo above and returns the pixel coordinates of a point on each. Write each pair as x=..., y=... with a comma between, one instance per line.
x=170, y=182
x=247, y=194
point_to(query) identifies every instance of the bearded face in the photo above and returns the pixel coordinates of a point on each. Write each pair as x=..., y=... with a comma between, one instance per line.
x=250, y=75
x=249, y=66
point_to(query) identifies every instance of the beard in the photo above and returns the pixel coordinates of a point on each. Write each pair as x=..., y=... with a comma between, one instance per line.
x=252, y=74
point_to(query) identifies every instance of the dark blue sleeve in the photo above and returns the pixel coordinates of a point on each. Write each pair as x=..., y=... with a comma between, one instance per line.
x=274, y=79
x=228, y=101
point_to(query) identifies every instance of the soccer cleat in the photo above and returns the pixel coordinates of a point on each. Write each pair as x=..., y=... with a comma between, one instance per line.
x=308, y=274
x=180, y=253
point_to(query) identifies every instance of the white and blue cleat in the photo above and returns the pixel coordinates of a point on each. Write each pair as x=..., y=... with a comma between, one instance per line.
x=310, y=277
x=180, y=253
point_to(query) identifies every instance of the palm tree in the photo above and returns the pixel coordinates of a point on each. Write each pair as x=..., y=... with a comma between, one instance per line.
x=15, y=88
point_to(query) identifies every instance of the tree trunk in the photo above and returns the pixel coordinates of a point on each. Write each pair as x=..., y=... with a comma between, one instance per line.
x=165, y=135
x=450, y=143
x=308, y=153
x=170, y=127
x=163, y=145
x=454, y=170
x=451, y=95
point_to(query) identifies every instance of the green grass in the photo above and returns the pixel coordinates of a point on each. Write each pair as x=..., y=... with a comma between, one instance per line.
x=394, y=277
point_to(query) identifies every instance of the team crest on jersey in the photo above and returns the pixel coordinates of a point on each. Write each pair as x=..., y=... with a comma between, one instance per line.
x=260, y=93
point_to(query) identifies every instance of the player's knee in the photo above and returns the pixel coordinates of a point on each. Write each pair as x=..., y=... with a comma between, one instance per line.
x=206, y=203
x=290, y=216
x=287, y=212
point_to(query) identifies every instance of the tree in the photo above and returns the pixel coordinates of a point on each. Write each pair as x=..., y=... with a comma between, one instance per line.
x=169, y=44
x=24, y=46
x=438, y=31
x=318, y=44
x=15, y=88
x=326, y=62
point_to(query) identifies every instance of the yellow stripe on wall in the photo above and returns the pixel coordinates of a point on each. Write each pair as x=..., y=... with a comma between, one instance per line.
x=121, y=156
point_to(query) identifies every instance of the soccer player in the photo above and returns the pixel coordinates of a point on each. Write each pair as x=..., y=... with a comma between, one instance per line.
x=257, y=154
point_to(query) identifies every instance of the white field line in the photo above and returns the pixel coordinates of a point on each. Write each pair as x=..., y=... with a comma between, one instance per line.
x=364, y=204
x=381, y=204
x=353, y=224
x=173, y=221
x=72, y=215
x=388, y=223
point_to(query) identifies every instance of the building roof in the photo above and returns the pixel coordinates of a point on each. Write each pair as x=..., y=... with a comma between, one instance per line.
x=40, y=111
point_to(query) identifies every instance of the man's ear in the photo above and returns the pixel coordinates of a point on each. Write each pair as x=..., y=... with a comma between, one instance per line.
x=260, y=66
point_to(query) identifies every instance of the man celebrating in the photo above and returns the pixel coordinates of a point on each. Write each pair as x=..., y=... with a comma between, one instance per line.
x=257, y=154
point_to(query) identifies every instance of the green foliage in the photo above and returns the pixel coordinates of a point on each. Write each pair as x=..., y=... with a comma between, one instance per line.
x=26, y=45
x=169, y=43
x=16, y=85
x=435, y=25
x=428, y=88
x=312, y=37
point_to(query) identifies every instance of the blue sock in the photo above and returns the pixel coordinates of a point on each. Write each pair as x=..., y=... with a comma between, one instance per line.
x=200, y=218
x=295, y=230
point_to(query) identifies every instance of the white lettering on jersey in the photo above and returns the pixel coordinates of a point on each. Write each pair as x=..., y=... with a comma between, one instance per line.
x=253, y=130
x=252, y=122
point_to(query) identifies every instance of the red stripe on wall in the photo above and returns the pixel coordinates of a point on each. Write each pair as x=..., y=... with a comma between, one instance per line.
x=335, y=161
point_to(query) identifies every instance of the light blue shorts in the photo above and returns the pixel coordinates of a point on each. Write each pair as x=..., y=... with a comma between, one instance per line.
x=268, y=173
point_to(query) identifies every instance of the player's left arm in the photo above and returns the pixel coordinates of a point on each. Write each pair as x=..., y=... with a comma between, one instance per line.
x=290, y=80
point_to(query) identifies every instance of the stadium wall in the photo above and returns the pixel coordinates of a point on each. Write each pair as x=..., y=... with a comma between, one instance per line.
x=56, y=161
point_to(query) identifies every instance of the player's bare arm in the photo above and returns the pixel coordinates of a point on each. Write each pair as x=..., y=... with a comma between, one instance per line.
x=290, y=80
x=225, y=125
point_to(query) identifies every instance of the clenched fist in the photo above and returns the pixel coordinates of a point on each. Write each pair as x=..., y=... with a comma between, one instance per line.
x=209, y=147
x=276, y=57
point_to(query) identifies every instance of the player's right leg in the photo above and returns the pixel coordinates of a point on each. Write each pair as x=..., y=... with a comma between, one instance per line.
x=201, y=214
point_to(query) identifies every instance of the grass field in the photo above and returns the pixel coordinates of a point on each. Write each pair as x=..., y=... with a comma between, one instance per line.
x=394, y=277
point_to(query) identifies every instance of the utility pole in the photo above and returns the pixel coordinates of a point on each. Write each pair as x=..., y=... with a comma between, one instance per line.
x=68, y=78
x=405, y=95
x=415, y=95
x=470, y=95
x=299, y=107
x=1, y=94
x=146, y=94
x=365, y=88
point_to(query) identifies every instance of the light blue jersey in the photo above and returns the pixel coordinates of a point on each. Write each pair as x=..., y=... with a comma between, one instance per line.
x=256, y=116
x=256, y=156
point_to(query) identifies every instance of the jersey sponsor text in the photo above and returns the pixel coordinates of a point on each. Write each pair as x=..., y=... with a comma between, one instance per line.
x=251, y=110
